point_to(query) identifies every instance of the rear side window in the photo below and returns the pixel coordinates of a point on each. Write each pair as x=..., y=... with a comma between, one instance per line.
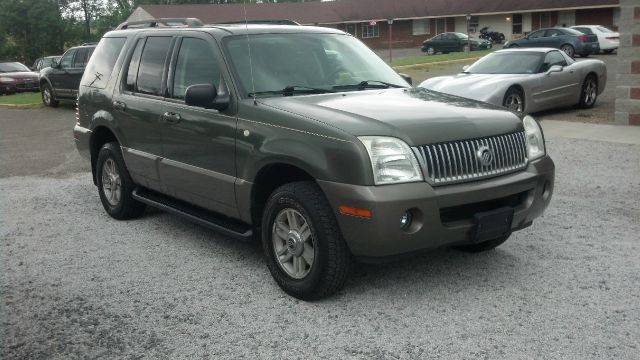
x=81, y=58
x=151, y=66
x=101, y=65
x=196, y=64
x=132, y=69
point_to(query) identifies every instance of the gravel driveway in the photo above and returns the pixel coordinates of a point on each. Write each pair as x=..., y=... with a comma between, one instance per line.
x=78, y=284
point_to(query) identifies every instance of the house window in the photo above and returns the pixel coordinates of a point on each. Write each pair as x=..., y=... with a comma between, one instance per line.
x=517, y=24
x=352, y=29
x=370, y=31
x=421, y=27
x=474, y=22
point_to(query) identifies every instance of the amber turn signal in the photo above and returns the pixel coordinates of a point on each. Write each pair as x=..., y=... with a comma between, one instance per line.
x=348, y=210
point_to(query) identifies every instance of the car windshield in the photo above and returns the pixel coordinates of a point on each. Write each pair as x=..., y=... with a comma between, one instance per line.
x=461, y=36
x=605, y=30
x=294, y=64
x=12, y=67
x=507, y=63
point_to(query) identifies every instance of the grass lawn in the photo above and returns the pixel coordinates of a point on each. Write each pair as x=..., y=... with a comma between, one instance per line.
x=424, y=59
x=22, y=98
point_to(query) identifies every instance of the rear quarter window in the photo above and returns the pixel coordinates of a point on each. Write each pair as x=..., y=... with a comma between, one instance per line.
x=98, y=72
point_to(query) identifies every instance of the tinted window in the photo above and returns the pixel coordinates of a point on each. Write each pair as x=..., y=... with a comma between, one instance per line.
x=195, y=65
x=102, y=61
x=584, y=30
x=152, y=65
x=81, y=58
x=132, y=70
x=537, y=34
x=554, y=33
x=65, y=62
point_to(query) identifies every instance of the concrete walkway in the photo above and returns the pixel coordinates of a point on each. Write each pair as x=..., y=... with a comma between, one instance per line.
x=575, y=130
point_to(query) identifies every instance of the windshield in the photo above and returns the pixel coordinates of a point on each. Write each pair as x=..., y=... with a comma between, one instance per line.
x=461, y=36
x=12, y=67
x=303, y=62
x=507, y=63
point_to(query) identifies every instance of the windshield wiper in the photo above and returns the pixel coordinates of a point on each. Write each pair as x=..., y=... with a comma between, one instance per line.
x=369, y=84
x=292, y=89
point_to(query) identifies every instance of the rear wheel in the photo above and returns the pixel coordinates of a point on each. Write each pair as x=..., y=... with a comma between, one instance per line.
x=608, y=51
x=514, y=99
x=584, y=55
x=568, y=49
x=589, y=93
x=304, y=249
x=483, y=246
x=115, y=185
x=47, y=96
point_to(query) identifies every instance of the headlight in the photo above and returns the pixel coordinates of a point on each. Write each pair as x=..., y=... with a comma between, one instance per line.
x=534, y=138
x=5, y=80
x=392, y=160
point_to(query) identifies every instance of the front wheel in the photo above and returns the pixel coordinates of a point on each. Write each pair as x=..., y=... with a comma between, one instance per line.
x=431, y=51
x=304, y=249
x=589, y=92
x=514, y=100
x=115, y=185
x=48, y=98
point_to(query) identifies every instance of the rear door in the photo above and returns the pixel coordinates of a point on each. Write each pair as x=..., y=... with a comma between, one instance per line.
x=138, y=104
x=198, y=143
x=552, y=38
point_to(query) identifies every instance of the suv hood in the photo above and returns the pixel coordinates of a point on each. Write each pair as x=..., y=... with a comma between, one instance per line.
x=417, y=116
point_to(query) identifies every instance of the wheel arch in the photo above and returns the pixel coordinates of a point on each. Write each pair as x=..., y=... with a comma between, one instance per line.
x=100, y=135
x=520, y=88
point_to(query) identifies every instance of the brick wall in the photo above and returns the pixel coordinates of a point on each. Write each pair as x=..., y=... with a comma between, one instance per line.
x=402, y=34
x=628, y=77
x=595, y=17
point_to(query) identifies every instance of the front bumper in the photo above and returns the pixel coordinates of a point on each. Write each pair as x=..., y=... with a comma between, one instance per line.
x=440, y=213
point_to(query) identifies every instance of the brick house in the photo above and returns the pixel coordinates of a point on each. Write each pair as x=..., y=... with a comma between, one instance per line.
x=413, y=20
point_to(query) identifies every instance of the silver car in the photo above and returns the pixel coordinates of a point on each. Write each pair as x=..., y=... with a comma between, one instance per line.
x=527, y=80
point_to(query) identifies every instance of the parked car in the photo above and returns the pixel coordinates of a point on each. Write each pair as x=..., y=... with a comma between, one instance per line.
x=324, y=160
x=452, y=42
x=527, y=80
x=17, y=77
x=569, y=40
x=609, y=40
x=62, y=80
x=44, y=62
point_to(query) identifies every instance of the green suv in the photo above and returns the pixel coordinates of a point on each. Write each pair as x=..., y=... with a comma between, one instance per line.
x=303, y=138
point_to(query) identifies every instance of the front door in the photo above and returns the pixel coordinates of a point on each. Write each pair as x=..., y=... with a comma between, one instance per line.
x=138, y=103
x=60, y=74
x=557, y=88
x=74, y=74
x=534, y=39
x=198, y=143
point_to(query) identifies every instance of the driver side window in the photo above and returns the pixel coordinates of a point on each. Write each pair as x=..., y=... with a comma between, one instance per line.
x=537, y=34
x=553, y=58
x=66, y=60
x=195, y=65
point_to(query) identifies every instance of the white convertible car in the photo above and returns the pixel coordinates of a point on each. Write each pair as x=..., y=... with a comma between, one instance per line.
x=527, y=80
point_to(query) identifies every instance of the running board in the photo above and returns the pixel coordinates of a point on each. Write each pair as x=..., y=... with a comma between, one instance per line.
x=214, y=221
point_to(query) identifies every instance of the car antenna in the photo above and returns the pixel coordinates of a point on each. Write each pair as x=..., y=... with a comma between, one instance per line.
x=246, y=27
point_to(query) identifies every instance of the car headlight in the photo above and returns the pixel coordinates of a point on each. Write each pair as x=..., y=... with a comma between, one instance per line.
x=392, y=160
x=534, y=138
x=5, y=80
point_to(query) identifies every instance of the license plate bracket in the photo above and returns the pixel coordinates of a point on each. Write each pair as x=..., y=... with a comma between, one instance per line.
x=493, y=224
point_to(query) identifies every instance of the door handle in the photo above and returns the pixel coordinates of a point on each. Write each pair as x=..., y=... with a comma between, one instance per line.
x=171, y=117
x=119, y=105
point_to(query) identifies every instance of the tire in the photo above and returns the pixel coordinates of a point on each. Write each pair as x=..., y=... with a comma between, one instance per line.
x=513, y=46
x=588, y=92
x=483, y=246
x=514, y=99
x=430, y=51
x=608, y=51
x=330, y=263
x=568, y=49
x=48, y=98
x=584, y=55
x=116, y=196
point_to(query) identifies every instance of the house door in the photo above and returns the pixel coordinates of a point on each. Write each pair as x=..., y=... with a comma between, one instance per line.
x=440, y=26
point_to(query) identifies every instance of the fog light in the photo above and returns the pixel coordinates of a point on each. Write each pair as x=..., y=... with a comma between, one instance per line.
x=405, y=220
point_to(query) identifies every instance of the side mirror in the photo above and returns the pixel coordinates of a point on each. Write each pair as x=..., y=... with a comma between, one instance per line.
x=206, y=96
x=406, y=78
x=554, y=68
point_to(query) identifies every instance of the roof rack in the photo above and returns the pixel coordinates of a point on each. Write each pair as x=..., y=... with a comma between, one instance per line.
x=89, y=43
x=162, y=22
x=262, y=22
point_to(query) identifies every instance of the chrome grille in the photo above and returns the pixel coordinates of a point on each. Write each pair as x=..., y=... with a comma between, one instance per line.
x=459, y=161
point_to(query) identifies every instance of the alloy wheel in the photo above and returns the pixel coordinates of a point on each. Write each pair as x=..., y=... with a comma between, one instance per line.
x=514, y=102
x=568, y=49
x=46, y=96
x=590, y=92
x=111, y=182
x=293, y=243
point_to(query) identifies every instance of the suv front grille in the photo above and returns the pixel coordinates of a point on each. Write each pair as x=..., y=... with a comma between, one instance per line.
x=459, y=161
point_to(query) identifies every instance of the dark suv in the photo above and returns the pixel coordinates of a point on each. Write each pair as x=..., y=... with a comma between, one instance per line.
x=62, y=80
x=303, y=138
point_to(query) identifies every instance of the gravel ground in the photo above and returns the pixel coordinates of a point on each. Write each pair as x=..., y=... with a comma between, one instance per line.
x=78, y=284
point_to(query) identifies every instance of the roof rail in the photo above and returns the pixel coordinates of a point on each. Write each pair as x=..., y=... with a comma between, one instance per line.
x=262, y=22
x=162, y=22
x=89, y=43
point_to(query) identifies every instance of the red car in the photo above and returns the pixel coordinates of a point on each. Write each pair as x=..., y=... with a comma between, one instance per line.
x=16, y=77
